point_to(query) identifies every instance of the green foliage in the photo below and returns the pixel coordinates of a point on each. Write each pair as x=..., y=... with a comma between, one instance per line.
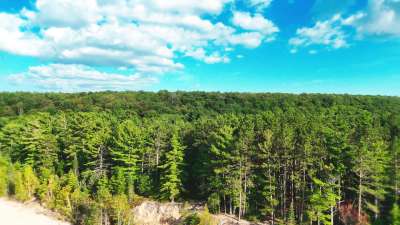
x=129, y=142
x=191, y=219
x=4, y=176
x=26, y=183
x=214, y=203
x=120, y=210
x=205, y=218
x=171, y=183
x=395, y=215
x=271, y=157
x=118, y=182
x=49, y=185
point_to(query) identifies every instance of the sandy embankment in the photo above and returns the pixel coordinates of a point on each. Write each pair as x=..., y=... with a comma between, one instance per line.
x=14, y=213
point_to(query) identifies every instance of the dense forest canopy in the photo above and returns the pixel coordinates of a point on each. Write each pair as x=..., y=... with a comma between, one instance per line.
x=188, y=104
x=283, y=158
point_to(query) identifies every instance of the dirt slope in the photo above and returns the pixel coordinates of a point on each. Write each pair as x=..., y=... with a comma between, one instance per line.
x=14, y=213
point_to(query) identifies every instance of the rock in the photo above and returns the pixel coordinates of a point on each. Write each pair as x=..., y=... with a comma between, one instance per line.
x=155, y=213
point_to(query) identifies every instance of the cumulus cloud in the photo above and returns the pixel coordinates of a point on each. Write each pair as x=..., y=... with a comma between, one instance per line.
x=379, y=18
x=70, y=78
x=213, y=58
x=65, y=13
x=15, y=41
x=148, y=36
x=382, y=18
x=254, y=23
x=329, y=33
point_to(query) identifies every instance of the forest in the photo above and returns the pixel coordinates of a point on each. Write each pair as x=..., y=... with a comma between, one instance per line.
x=282, y=158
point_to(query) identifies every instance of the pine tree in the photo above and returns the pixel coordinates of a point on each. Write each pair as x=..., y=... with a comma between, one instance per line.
x=221, y=180
x=95, y=147
x=129, y=144
x=395, y=215
x=4, y=177
x=49, y=185
x=38, y=142
x=267, y=157
x=103, y=198
x=121, y=213
x=321, y=201
x=171, y=169
x=66, y=198
x=371, y=164
x=118, y=182
x=26, y=183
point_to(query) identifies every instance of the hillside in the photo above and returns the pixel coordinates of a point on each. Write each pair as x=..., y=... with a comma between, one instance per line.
x=292, y=159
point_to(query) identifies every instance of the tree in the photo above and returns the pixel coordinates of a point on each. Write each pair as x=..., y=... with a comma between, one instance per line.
x=38, y=142
x=67, y=197
x=321, y=202
x=49, y=185
x=26, y=183
x=371, y=164
x=205, y=218
x=121, y=213
x=267, y=168
x=4, y=177
x=129, y=143
x=395, y=215
x=118, y=182
x=220, y=180
x=171, y=169
x=103, y=198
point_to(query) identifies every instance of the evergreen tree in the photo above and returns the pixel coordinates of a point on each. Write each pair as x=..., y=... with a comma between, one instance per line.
x=4, y=177
x=395, y=215
x=129, y=143
x=171, y=169
x=26, y=183
x=221, y=179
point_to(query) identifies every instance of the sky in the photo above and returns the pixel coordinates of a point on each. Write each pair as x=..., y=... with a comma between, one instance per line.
x=290, y=46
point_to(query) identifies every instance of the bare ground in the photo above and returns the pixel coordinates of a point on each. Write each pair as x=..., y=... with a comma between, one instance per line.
x=15, y=213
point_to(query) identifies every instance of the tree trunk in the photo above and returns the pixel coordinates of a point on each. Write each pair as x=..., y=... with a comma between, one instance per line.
x=224, y=203
x=271, y=194
x=284, y=193
x=303, y=196
x=377, y=208
x=245, y=191
x=230, y=205
x=240, y=188
x=360, y=195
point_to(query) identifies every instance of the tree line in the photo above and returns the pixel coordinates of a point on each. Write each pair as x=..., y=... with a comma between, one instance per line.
x=286, y=159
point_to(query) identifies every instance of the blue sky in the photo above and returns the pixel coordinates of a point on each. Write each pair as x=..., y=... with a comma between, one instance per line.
x=296, y=46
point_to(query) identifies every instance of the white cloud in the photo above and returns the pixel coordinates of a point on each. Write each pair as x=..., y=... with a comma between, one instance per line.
x=254, y=23
x=71, y=78
x=148, y=36
x=15, y=41
x=213, y=58
x=382, y=18
x=65, y=13
x=329, y=33
x=260, y=4
x=248, y=39
x=204, y=6
x=353, y=19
